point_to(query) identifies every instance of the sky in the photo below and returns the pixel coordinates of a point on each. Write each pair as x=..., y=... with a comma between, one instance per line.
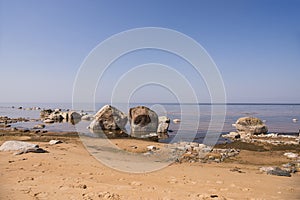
x=255, y=45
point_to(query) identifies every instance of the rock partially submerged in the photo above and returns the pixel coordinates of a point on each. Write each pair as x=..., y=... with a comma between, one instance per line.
x=57, y=115
x=143, y=122
x=250, y=126
x=163, y=124
x=21, y=147
x=110, y=121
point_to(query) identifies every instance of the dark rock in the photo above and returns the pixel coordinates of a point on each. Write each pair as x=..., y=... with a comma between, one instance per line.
x=279, y=172
x=143, y=121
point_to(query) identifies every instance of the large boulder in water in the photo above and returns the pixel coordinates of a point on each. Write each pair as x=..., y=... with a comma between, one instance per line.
x=143, y=122
x=109, y=118
x=250, y=125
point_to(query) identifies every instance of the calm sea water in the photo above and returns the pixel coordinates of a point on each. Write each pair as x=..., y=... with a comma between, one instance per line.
x=278, y=117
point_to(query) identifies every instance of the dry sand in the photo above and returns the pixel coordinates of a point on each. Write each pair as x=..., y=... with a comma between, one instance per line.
x=68, y=171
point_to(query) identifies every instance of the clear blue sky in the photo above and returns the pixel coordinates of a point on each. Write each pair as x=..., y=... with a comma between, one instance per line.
x=255, y=44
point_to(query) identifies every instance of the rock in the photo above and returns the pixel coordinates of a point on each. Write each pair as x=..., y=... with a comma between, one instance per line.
x=39, y=126
x=45, y=113
x=279, y=172
x=74, y=117
x=52, y=142
x=232, y=135
x=48, y=121
x=87, y=117
x=109, y=118
x=56, y=116
x=294, y=120
x=151, y=148
x=22, y=147
x=176, y=121
x=291, y=155
x=250, y=125
x=143, y=121
x=14, y=145
x=163, y=124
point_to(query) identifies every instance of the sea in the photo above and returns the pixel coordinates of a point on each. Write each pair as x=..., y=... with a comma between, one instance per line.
x=195, y=119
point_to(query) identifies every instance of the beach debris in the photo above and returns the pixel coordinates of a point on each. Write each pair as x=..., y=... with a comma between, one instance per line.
x=176, y=121
x=143, y=122
x=21, y=147
x=109, y=118
x=250, y=126
x=52, y=142
x=163, y=124
x=39, y=126
x=291, y=155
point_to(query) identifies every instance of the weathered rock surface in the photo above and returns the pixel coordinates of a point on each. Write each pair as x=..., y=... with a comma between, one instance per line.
x=251, y=126
x=143, y=122
x=163, y=124
x=109, y=118
x=21, y=147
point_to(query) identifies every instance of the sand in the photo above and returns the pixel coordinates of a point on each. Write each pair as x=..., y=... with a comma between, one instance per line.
x=69, y=171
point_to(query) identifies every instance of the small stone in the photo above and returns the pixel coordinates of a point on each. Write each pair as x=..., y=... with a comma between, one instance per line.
x=52, y=142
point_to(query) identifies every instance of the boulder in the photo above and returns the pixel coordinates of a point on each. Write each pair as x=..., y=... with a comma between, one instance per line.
x=163, y=124
x=109, y=118
x=143, y=121
x=14, y=145
x=73, y=117
x=21, y=147
x=250, y=125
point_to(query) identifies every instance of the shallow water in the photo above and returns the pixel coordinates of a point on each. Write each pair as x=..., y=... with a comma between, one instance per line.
x=278, y=117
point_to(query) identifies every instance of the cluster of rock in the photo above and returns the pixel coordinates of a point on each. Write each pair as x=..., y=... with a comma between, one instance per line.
x=195, y=152
x=144, y=122
x=30, y=108
x=57, y=115
x=253, y=130
x=286, y=169
x=6, y=121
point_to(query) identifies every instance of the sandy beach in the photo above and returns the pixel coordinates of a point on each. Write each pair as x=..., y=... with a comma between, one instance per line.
x=69, y=171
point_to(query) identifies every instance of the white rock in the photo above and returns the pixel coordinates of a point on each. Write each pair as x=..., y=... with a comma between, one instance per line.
x=14, y=145
x=52, y=142
x=151, y=147
x=48, y=121
x=291, y=155
x=176, y=120
x=295, y=120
